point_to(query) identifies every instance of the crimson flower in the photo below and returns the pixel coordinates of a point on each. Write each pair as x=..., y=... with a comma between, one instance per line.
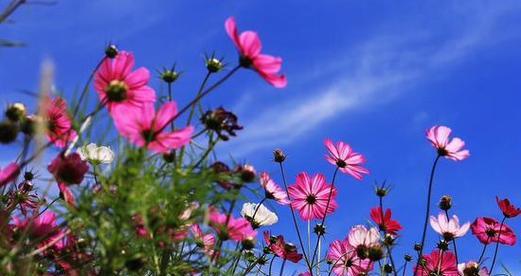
x=345, y=261
x=310, y=196
x=69, y=169
x=58, y=122
x=237, y=229
x=272, y=190
x=144, y=127
x=348, y=161
x=437, y=263
x=118, y=85
x=388, y=224
x=508, y=209
x=9, y=173
x=487, y=230
x=453, y=149
x=249, y=45
x=279, y=247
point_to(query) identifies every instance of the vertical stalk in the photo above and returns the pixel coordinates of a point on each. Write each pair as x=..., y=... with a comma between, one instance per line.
x=497, y=245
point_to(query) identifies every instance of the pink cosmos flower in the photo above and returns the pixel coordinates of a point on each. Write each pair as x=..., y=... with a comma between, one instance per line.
x=204, y=241
x=9, y=173
x=118, y=85
x=508, y=209
x=272, y=190
x=472, y=269
x=237, y=229
x=449, y=229
x=360, y=236
x=43, y=226
x=343, y=257
x=144, y=127
x=310, y=196
x=438, y=263
x=388, y=224
x=249, y=45
x=58, y=122
x=348, y=161
x=70, y=169
x=453, y=149
x=487, y=231
x=279, y=247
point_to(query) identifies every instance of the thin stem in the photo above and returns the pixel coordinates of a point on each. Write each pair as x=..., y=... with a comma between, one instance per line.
x=271, y=264
x=192, y=110
x=236, y=263
x=483, y=251
x=453, y=240
x=404, y=268
x=309, y=236
x=207, y=152
x=47, y=207
x=389, y=252
x=497, y=245
x=427, y=211
x=282, y=267
x=295, y=220
x=15, y=4
x=257, y=209
x=325, y=214
x=86, y=88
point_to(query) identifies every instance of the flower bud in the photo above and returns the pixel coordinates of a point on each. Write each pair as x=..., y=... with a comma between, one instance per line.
x=248, y=244
x=443, y=245
x=445, y=203
x=8, y=132
x=28, y=176
x=388, y=268
x=247, y=173
x=111, y=51
x=417, y=247
x=375, y=253
x=15, y=112
x=29, y=124
x=222, y=121
x=170, y=76
x=214, y=65
x=279, y=156
x=169, y=157
x=407, y=258
x=389, y=239
x=320, y=230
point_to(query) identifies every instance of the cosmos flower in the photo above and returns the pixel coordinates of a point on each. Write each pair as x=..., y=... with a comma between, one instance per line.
x=258, y=215
x=237, y=229
x=438, y=263
x=145, y=128
x=310, y=196
x=348, y=161
x=279, y=247
x=344, y=260
x=117, y=85
x=42, y=226
x=9, y=173
x=249, y=46
x=204, y=241
x=472, y=269
x=453, y=149
x=508, y=209
x=68, y=169
x=272, y=190
x=96, y=154
x=388, y=224
x=487, y=230
x=58, y=122
x=449, y=229
x=360, y=236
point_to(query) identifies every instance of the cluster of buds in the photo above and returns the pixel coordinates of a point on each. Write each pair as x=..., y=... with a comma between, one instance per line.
x=223, y=122
x=228, y=178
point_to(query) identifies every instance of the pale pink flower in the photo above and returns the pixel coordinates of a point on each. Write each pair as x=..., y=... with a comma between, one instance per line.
x=348, y=161
x=204, y=241
x=359, y=235
x=237, y=229
x=272, y=190
x=118, y=85
x=249, y=45
x=453, y=149
x=310, y=196
x=472, y=269
x=449, y=229
x=58, y=122
x=145, y=128
x=9, y=173
x=344, y=260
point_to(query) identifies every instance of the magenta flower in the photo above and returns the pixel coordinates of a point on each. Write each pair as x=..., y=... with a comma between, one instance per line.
x=449, y=229
x=310, y=196
x=237, y=229
x=118, y=85
x=279, y=247
x=144, y=127
x=58, y=122
x=487, y=230
x=348, y=161
x=42, y=227
x=272, y=190
x=68, y=169
x=9, y=173
x=438, y=263
x=453, y=149
x=204, y=241
x=343, y=257
x=249, y=45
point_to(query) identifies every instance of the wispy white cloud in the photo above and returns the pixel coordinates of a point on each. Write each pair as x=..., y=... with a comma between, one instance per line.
x=383, y=68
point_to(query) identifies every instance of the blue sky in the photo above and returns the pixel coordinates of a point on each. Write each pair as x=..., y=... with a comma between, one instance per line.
x=375, y=74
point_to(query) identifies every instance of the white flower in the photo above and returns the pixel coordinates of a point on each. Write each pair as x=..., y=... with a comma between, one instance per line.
x=263, y=216
x=449, y=229
x=472, y=268
x=95, y=154
x=360, y=235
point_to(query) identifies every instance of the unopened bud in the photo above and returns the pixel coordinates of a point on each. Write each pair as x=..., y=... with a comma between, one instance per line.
x=15, y=112
x=279, y=156
x=111, y=51
x=445, y=203
x=214, y=65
